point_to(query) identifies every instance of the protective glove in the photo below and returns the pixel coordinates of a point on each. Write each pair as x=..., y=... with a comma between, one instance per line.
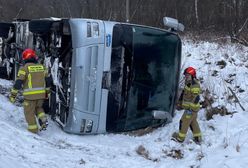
x=12, y=99
x=48, y=92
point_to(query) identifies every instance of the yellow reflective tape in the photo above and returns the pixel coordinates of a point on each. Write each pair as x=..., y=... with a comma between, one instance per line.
x=41, y=114
x=195, y=107
x=181, y=135
x=197, y=135
x=188, y=116
x=14, y=91
x=186, y=105
x=29, y=81
x=33, y=92
x=36, y=68
x=181, y=139
x=190, y=105
x=195, y=90
x=32, y=127
x=21, y=72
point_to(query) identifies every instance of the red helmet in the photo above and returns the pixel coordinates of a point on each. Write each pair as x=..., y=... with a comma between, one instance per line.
x=191, y=71
x=28, y=53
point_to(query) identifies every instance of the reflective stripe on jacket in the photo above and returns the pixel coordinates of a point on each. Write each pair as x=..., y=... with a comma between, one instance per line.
x=189, y=97
x=33, y=77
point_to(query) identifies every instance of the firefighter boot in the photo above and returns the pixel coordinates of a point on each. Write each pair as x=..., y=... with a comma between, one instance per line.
x=197, y=140
x=175, y=137
x=43, y=124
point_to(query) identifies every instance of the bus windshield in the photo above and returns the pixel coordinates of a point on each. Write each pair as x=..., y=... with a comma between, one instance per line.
x=144, y=76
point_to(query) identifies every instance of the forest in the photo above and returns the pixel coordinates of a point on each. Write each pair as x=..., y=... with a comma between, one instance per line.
x=222, y=17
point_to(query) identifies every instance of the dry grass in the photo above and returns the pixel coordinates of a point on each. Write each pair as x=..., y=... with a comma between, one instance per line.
x=174, y=153
x=141, y=150
x=141, y=132
x=217, y=110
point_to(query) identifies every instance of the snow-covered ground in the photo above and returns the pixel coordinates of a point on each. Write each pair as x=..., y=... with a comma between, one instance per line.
x=225, y=138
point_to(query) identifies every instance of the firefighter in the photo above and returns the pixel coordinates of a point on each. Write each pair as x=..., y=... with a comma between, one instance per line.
x=31, y=78
x=189, y=101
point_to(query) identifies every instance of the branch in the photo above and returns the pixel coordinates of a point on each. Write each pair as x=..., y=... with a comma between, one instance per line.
x=241, y=29
x=69, y=11
x=136, y=8
x=110, y=14
x=241, y=41
x=20, y=10
x=236, y=36
x=196, y=12
x=236, y=98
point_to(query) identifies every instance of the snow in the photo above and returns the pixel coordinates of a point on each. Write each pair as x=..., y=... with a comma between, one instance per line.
x=225, y=138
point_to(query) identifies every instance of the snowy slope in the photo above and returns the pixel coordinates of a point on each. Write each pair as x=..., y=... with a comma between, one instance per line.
x=225, y=137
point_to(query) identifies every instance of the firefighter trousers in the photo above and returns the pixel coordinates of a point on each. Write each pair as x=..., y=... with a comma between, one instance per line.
x=189, y=120
x=33, y=109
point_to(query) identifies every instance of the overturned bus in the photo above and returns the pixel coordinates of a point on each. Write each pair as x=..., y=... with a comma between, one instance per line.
x=107, y=76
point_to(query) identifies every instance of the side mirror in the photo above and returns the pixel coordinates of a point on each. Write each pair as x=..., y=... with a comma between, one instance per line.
x=161, y=115
x=173, y=24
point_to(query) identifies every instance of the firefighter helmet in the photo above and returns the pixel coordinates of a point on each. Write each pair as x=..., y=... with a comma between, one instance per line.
x=28, y=54
x=191, y=71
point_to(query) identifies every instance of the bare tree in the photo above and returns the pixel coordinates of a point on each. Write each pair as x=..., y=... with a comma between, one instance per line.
x=220, y=16
x=196, y=12
x=127, y=11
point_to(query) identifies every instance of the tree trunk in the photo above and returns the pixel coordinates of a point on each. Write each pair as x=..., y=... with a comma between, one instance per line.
x=196, y=12
x=127, y=10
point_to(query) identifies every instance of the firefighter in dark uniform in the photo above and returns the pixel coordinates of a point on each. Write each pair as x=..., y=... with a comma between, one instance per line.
x=31, y=78
x=189, y=101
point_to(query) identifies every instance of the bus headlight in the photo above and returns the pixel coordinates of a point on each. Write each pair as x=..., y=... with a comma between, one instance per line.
x=95, y=31
x=89, y=125
x=86, y=126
